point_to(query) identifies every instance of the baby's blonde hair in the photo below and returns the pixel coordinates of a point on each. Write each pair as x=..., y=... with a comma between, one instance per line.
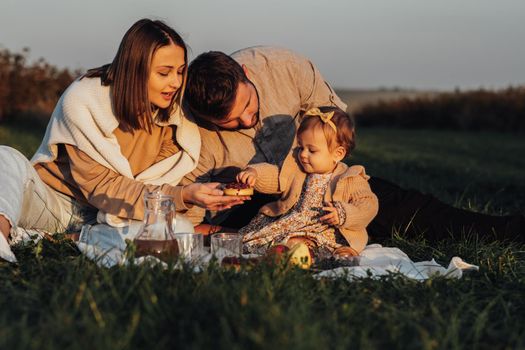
x=344, y=124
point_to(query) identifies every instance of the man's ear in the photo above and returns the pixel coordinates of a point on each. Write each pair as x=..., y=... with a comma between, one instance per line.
x=245, y=69
x=339, y=153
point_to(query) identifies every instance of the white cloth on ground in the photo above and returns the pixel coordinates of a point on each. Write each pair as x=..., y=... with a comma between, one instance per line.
x=106, y=246
x=376, y=261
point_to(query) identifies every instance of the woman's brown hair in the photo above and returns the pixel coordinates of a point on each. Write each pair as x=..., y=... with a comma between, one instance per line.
x=344, y=124
x=128, y=74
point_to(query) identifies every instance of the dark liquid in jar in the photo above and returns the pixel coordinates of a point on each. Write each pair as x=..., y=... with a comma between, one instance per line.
x=165, y=250
x=231, y=260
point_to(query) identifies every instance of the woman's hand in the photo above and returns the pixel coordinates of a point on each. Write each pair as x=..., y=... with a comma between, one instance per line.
x=209, y=196
x=247, y=176
x=332, y=217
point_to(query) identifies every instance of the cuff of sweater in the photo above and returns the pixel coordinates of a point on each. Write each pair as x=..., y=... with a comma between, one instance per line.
x=196, y=215
x=176, y=192
x=341, y=213
x=267, y=177
x=357, y=217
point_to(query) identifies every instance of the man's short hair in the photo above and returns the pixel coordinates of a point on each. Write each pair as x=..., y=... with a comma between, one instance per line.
x=213, y=79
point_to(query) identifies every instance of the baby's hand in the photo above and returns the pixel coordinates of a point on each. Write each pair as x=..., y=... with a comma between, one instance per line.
x=247, y=176
x=332, y=217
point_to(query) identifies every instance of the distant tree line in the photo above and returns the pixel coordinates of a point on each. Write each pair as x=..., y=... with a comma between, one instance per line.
x=502, y=110
x=29, y=89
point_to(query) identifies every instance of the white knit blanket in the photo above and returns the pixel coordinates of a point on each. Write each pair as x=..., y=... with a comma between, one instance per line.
x=84, y=118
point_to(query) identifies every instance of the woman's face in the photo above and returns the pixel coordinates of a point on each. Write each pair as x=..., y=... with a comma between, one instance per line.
x=166, y=75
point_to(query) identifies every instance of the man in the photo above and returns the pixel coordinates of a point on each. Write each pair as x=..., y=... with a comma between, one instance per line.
x=248, y=106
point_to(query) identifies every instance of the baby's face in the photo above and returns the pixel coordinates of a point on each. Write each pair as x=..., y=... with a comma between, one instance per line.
x=314, y=154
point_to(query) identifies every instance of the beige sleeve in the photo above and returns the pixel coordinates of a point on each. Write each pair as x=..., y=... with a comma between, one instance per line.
x=202, y=173
x=267, y=178
x=204, y=169
x=196, y=215
x=314, y=90
x=111, y=192
x=362, y=206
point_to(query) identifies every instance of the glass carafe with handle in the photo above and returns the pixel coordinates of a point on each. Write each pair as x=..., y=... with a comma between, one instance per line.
x=156, y=236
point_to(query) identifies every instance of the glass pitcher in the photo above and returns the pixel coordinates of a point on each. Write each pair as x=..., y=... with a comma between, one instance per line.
x=156, y=236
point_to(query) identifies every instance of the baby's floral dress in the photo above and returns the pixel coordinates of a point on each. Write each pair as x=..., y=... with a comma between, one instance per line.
x=302, y=220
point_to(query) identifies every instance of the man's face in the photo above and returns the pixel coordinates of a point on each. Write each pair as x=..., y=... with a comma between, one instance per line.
x=245, y=109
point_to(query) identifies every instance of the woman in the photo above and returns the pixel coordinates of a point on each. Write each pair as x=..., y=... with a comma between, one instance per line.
x=116, y=133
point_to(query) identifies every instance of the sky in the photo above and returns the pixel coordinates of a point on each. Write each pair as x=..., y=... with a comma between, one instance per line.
x=418, y=44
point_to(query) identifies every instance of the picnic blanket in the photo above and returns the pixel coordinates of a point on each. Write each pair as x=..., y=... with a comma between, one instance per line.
x=106, y=245
x=376, y=260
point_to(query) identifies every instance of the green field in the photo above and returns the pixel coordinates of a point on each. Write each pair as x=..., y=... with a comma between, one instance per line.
x=25, y=138
x=55, y=298
x=482, y=171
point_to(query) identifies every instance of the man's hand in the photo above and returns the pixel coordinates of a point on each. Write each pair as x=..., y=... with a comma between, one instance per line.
x=332, y=217
x=209, y=196
x=247, y=176
x=207, y=229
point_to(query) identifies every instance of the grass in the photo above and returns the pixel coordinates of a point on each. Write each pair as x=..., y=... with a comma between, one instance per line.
x=56, y=298
x=482, y=171
x=25, y=136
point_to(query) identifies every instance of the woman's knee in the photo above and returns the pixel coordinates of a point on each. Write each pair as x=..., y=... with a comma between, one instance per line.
x=4, y=149
x=12, y=159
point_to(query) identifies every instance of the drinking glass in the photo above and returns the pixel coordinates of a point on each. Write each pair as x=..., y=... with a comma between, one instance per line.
x=226, y=245
x=191, y=245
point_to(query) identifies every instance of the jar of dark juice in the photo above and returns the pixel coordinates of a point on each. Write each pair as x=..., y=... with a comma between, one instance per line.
x=156, y=236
